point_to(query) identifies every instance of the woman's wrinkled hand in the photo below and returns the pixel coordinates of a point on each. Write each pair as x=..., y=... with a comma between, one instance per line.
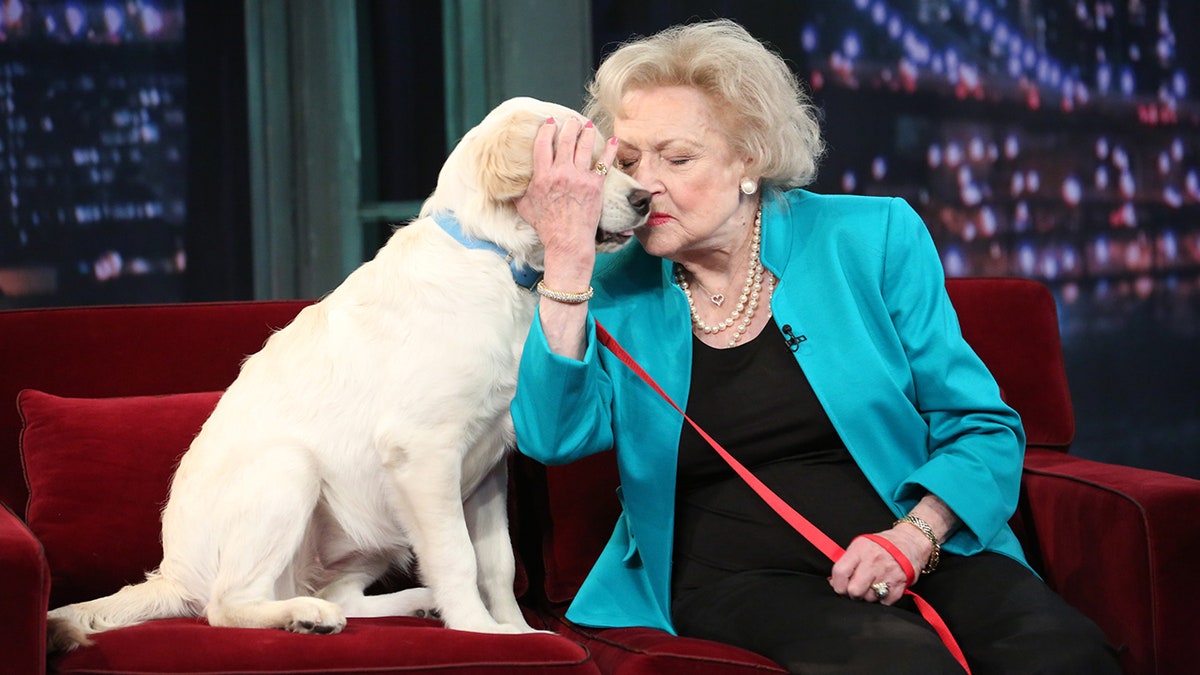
x=866, y=563
x=565, y=196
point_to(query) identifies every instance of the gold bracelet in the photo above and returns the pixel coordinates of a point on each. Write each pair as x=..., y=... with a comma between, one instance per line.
x=936, y=554
x=562, y=296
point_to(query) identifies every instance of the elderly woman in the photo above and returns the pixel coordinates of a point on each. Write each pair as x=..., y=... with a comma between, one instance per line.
x=812, y=336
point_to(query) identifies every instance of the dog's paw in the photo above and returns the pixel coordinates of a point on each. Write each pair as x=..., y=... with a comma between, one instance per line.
x=64, y=635
x=416, y=602
x=314, y=616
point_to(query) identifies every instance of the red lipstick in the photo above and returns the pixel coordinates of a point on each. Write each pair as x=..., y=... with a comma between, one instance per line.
x=658, y=218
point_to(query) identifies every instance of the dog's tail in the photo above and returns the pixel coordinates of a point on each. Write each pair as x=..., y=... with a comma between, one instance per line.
x=156, y=598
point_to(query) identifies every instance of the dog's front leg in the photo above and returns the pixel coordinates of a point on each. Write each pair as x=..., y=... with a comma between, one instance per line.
x=486, y=512
x=428, y=485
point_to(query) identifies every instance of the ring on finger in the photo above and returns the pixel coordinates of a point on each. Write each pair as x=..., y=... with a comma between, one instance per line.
x=881, y=588
x=601, y=168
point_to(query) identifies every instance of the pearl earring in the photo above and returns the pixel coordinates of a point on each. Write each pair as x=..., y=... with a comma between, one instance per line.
x=748, y=186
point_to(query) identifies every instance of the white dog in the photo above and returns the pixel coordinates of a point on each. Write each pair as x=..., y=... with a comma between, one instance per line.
x=373, y=429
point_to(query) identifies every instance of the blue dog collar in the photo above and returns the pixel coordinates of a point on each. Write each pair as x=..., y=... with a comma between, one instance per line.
x=524, y=275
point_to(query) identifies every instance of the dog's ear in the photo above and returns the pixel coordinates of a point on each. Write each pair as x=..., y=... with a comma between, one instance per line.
x=506, y=155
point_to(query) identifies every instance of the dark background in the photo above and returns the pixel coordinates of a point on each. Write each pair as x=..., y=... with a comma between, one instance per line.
x=1052, y=140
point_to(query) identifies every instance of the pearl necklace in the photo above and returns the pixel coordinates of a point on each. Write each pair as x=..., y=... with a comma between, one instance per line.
x=751, y=291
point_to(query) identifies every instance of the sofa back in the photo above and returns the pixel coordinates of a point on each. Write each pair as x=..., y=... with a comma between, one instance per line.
x=122, y=351
x=1012, y=324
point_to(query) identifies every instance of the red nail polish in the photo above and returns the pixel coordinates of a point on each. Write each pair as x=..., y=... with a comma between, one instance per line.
x=612, y=141
x=549, y=120
x=589, y=124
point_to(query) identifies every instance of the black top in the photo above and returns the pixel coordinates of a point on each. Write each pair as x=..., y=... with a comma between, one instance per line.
x=756, y=402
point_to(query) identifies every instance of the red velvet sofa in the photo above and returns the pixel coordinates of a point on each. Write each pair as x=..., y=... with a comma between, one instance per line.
x=96, y=404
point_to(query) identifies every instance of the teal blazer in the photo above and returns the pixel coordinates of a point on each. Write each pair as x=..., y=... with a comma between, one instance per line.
x=861, y=280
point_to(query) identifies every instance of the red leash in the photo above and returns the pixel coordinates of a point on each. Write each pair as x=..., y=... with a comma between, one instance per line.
x=801, y=524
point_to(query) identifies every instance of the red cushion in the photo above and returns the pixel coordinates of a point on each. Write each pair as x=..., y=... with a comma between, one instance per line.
x=134, y=350
x=98, y=472
x=386, y=645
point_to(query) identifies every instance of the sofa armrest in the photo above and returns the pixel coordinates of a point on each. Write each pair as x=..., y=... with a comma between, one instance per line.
x=1120, y=544
x=24, y=594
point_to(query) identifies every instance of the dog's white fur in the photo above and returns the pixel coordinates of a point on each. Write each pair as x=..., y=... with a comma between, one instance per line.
x=371, y=430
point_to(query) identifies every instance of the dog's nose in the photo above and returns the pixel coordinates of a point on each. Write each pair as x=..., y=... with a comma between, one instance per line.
x=640, y=201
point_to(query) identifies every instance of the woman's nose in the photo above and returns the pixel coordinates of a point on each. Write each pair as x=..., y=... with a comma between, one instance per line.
x=646, y=176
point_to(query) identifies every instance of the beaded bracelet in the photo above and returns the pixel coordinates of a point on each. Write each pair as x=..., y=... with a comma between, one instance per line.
x=562, y=296
x=925, y=529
